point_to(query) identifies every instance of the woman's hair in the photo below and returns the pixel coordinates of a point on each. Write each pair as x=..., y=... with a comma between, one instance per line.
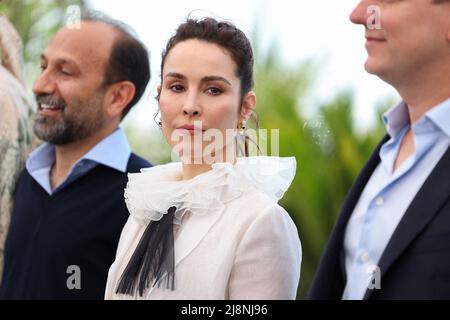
x=223, y=34
x=227, y=36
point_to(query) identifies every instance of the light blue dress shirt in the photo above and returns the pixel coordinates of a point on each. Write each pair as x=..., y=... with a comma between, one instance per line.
x=113, y=151
x=388, y=194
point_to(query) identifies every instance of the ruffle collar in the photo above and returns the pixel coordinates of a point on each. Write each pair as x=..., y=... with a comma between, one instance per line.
x=150, y=193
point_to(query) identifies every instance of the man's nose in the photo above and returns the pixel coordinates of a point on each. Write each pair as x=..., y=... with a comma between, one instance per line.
x=44, y=84
x=359, y=14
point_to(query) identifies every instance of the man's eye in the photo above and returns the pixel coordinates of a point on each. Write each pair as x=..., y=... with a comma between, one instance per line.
x=43, y=67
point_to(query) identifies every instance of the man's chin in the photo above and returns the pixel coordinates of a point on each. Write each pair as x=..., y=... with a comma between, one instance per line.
x=373, y=67
x=52, y=134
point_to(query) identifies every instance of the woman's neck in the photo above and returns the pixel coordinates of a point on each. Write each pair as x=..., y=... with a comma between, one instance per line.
x=193, y=169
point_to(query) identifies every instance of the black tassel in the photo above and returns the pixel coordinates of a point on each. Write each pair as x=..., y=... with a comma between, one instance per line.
x=152, y=259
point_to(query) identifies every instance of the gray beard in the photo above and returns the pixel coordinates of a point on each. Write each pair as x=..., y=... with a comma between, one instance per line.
x=64, y=131
x=82, y=121
x=58, y=134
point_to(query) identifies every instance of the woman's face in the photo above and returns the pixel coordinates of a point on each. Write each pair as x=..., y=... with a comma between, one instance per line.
x=200, y=101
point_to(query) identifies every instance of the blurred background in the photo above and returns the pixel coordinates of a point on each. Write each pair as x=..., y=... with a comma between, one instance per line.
x=310, y=84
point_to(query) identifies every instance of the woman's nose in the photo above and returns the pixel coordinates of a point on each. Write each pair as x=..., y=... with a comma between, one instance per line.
x=191, y=105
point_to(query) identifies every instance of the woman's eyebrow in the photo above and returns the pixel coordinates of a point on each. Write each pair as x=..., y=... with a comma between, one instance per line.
x=215, y=78
x=176, y=75
x=204, y=79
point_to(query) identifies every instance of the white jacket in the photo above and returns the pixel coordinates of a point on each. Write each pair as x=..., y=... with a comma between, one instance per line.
x=233, y=241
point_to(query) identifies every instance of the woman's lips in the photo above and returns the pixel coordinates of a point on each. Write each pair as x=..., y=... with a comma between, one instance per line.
x=191, y=129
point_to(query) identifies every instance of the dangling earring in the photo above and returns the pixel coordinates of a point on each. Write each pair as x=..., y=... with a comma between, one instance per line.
x=245, y=138
x=242, y=127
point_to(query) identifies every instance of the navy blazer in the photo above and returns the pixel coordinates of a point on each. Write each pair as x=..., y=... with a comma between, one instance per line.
x=416, y=261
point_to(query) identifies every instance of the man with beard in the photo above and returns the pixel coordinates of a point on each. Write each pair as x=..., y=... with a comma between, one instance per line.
x=69, y=208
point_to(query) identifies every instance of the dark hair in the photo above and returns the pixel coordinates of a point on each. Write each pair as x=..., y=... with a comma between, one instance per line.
x=129, y=59
x=224, y=34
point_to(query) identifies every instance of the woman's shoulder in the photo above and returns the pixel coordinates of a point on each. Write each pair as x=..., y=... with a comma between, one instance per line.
x=266, y=229
x=256, y=208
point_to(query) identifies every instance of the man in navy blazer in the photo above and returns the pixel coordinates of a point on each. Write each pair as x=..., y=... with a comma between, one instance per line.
x=392, y=238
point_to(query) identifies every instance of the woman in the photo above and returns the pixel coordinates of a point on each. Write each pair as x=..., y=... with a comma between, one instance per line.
x=210, y=226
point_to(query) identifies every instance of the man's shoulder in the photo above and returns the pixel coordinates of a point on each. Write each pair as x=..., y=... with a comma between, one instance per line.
x=24, y=184
x=136, y=163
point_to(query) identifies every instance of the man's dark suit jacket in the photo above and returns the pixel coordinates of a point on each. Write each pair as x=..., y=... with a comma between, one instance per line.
x=416, y=261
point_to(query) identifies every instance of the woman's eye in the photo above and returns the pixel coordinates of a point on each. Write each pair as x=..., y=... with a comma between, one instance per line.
x=65, y=72
x=214, y=91
x=43, y=67
x=176, y=88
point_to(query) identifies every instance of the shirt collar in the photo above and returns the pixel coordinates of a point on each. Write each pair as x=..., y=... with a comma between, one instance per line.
x=440, y=116
x=113, y=151
x=397, y=118
x=41, y=158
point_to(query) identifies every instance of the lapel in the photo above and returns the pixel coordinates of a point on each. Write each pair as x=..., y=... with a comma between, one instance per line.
x=191, y=234
x=196, y=229
x=427, y=202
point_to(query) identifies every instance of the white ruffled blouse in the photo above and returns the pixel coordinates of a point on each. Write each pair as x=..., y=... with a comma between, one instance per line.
x=232, y=239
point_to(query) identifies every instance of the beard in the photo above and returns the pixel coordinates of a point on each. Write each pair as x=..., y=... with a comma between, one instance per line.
x=79, y=119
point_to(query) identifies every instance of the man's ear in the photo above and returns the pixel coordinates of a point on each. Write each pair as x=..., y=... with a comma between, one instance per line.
x=248, y=105
x=119, y=95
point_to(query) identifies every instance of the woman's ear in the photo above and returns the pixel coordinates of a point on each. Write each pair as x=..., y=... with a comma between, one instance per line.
x=158, y=89
x=248, y=105
x=119, y=95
